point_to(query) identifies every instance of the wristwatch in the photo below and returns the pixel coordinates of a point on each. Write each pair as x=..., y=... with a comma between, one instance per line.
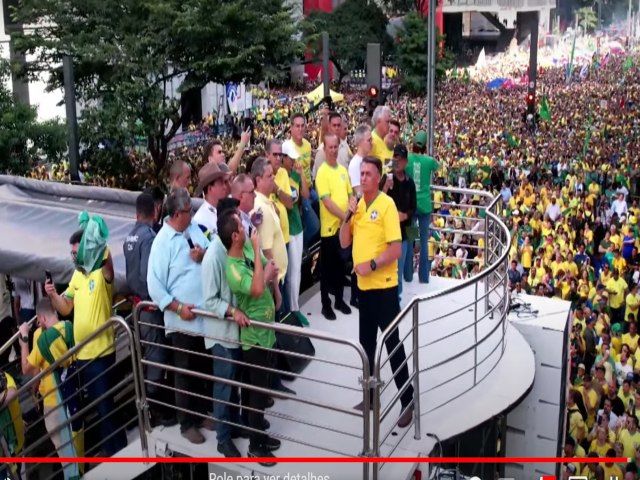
x=373, y=265
x=24, y=338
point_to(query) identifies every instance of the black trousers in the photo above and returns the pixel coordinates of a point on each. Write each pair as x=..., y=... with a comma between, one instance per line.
x=152, y=331
x=7, y=329
x=193, y=386
x=377, y=309
x=256, y=400
x=332, y=270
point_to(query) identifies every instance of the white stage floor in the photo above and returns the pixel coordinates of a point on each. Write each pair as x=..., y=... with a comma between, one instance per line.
x=450, y=403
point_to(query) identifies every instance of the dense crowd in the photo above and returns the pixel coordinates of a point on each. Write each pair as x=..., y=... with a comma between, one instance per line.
x=568, y=185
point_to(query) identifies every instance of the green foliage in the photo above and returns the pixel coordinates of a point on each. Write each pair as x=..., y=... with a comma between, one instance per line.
x=411, y=54
x=131, y=55
x=24, y=140
x=587, y=18
x=350, y=27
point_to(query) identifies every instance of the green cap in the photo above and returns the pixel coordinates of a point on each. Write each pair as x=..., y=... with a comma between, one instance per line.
x=420, y=139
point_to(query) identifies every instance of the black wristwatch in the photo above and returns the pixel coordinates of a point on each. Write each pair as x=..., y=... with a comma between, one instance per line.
x=24, y=338
x=373, y=265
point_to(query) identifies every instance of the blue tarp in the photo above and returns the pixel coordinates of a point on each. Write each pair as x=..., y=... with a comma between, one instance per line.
x=496, y=83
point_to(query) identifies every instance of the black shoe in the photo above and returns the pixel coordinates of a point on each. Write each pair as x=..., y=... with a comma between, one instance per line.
x=269, y=403
x=354, y=303
x=282, y=388
x=343, y=307
x=328, y=313
x=272, y=444
x=239, y=433
x=266, y=425
x=261, y=452
x=163, y=421
x=229, y=450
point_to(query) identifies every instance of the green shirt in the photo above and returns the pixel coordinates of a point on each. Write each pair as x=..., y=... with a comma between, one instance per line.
x=295, y=219
x=419, y=169
x=239, y=272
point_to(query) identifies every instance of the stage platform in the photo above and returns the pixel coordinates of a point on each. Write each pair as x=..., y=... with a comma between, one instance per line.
x=450, y=403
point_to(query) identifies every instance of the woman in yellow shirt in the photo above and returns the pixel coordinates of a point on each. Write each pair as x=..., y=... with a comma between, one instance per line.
x=584, y=285
x=600, y=444
x=633, y=303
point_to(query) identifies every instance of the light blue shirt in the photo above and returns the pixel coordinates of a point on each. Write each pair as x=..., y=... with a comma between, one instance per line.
x=217, y=298
x=173, y=275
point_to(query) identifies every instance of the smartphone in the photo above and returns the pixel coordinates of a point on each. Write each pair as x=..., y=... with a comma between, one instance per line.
x=189, y=241
x=47, y=276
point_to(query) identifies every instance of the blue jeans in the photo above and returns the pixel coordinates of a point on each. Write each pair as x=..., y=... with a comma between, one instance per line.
x=424, y=266
x=405, y=265
x=223, y=392
x=97, y=381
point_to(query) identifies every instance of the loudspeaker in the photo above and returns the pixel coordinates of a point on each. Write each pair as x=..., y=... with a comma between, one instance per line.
x=293, y=343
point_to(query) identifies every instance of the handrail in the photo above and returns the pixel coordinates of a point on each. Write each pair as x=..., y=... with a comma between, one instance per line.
x=112, y=323
x=276, y=327
x=9, y=343
x=491, y=220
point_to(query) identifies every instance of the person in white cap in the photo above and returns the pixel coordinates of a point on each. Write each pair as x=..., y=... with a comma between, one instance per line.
x=299, y=191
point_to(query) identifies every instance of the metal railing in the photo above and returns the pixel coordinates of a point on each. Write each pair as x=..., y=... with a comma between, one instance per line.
x=76, y=424
x=489, y=287
x=493, y=278
x=313, y=421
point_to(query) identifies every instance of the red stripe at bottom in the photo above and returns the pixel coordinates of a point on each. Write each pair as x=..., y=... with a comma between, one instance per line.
x=310, y=460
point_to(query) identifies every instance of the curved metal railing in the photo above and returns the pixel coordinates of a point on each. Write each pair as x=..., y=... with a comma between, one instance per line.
x=494, y=281
x=485, y=344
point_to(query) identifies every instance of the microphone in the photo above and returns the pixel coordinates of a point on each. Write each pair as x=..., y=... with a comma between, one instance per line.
x=189, y=241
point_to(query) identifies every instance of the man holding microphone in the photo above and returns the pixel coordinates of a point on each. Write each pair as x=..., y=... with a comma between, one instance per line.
x=372, y=224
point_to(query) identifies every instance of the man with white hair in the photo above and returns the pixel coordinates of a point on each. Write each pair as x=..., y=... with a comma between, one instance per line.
x=362, y=139
x=380, y=121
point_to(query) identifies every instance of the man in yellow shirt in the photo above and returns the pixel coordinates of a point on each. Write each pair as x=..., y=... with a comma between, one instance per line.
x=334, y=191
x=271, y=235
x=373, y=227
x=89, y=296
x=51, y=342
x=380, y=120
x=617, y=288
x=630, y=437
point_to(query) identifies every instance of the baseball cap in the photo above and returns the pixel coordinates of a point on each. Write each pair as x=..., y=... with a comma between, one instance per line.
x=289, y=149
x=581, y=366
x=420, y=139
x=400, y=151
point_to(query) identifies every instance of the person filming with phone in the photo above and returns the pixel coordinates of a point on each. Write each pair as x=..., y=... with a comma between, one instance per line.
x=89, y=296
x=174, y=280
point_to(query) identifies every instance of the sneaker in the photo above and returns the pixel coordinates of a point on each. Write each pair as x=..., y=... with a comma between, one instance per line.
x=303, y=319
x=193, y=435
x=208, y=424
x=272, y=444
x=343, y=307
x=229, y=450
x=261, y=452
x=328, y=313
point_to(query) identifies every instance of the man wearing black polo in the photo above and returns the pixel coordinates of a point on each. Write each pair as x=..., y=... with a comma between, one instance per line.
x=373, y=226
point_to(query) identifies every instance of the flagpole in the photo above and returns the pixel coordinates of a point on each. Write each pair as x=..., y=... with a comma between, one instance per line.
x=431, y=75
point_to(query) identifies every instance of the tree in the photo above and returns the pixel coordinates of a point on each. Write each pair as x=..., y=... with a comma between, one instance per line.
x=587, y=18
x=350, y=27
x=411, y=54
x=131, y=55
x=24, y=140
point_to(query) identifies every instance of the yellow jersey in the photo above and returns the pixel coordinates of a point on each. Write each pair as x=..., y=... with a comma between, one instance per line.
x=47, y=388
x=380, y=150
x=304, y=159
x=16, y=416
x=374, y=227
x=333, y=183
x=282, y=182
x=91, y=295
